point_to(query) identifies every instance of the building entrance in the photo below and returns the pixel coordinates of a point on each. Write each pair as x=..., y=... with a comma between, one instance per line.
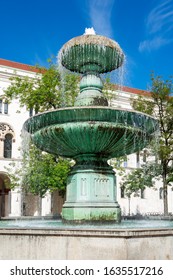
x=4, y=196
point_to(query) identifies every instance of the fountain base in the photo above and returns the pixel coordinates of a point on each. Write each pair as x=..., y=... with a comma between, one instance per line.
x=91, y=213
x=149, y=242
x=91, y=195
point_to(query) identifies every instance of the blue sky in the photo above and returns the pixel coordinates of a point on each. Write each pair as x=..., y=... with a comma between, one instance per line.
x=34, y=30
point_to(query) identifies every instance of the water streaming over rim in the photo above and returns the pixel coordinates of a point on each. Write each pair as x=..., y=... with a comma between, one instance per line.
x=91, y=132
x=36, y=223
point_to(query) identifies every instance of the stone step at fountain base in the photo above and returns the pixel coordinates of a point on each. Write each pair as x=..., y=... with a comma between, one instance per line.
x=91, y=212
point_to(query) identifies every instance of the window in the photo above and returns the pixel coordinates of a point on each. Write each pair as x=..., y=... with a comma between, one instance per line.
x=122, y=192
x=125, y=161
x=161, y=193
x=31, y=112
x=8, y=146
x=0, y=106
x=5, y=108
x=142, y=193
x=137, y=160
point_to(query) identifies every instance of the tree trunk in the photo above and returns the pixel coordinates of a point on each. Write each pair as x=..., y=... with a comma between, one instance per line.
x=40, y=206
x=129, y=210
x=165, y=196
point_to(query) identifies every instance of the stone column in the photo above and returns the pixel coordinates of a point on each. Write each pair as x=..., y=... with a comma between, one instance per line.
x=3, y=200
x=46, y=205
x=9, y=203
x=16, y=200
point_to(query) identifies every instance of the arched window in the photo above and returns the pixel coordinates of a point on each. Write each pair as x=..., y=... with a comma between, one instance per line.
x=8, y=146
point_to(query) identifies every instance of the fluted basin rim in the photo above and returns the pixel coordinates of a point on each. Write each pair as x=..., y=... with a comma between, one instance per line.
x=36, y=123
x=96, y=130
x=93, y=40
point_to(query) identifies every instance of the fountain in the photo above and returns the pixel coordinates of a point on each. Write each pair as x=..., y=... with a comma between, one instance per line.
x=91, y=132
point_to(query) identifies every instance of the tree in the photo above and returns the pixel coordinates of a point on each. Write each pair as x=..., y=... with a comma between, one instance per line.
x=39, y=172
x=45, y=91
x=138, y=179
x=160, y=105
x=48, y=89
x=44, y=172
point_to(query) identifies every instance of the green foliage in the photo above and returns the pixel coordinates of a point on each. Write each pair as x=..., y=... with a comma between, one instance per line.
x=40, y=172
x=15, y=174
x=70, y=89
x=45, y=91
x=160, y=106
x=143, y=105
x=117, y=163
x=133, y=182
x=140, y=178
x=108, y=89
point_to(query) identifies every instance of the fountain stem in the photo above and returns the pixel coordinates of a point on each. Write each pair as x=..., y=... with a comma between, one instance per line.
x=91, y=91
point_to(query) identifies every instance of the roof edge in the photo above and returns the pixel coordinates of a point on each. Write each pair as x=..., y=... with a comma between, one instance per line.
x=19, y=65
x=34, y=69
x=132, y=90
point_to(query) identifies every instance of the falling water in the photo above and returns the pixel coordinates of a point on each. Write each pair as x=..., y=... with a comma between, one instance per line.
x=91, y=133
x=35, y=223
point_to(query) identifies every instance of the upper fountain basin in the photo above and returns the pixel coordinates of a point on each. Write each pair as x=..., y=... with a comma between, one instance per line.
x=102, y=131
x=91, y=53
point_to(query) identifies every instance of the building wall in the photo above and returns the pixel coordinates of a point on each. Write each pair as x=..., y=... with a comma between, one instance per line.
x=11, y=122
x=16, y=203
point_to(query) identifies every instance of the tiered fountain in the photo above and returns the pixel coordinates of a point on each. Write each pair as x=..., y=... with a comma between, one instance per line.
x=91, y=133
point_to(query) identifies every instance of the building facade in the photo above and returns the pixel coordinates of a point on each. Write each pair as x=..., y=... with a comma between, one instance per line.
x=14, y=203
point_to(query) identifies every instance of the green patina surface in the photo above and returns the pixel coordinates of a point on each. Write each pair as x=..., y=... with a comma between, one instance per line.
x=93, y=114
x=91, y=194
x=91, y=132
x=84, y=214
x=90, y=53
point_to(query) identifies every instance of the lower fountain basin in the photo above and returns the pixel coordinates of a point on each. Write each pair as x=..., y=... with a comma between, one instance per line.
x=52, y=240
x=91, y=130
x=91, y=135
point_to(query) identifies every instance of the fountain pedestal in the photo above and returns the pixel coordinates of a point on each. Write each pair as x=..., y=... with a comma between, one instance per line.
x=91, y=132
x=91, y=193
